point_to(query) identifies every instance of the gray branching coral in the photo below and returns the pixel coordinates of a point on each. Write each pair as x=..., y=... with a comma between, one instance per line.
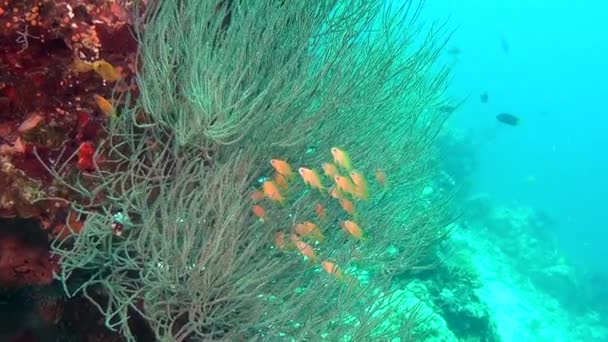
x=169, y=233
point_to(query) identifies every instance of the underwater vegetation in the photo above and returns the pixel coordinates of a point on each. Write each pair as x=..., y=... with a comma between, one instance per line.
x=222, y=170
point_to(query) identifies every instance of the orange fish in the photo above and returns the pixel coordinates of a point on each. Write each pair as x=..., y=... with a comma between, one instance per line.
x=311, y=178
x=257, y=195
x=282, y=168
x=381, y=177
x=309, y=228
x=306, y=250
x=335, y=271
x=259, y=211
x=105, y=70
x=294, y=238
x=360, y=185
x=347, y=205
x=272, y=191
x=336, y=193
x=330, y=170
x=352, y=228
x=332, y=269
x=74, y=224
x=282, y=244
x=279, y=240
x=344, y=184
x=320, y=210
x=281, y=181
x=341, y=158
x=104, y=105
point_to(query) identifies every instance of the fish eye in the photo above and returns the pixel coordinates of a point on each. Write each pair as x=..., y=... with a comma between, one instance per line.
x=301, y=170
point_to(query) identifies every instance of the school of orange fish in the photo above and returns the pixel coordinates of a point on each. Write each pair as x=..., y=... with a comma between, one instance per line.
x=346, y=185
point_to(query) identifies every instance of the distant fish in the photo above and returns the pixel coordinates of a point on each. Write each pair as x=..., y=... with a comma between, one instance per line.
x=508, y=119
x=504, y=44
x=484, y=97
x=447, y=109
x=454, y=51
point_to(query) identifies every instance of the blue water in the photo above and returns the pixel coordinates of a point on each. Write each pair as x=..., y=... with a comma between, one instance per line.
x=545, y=62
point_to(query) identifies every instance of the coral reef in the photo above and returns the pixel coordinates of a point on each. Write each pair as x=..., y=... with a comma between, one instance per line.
x=48, y=108
x=532, y=290
x=50, y=113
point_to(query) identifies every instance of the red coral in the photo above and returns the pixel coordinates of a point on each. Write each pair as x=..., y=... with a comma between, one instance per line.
x=85, y=156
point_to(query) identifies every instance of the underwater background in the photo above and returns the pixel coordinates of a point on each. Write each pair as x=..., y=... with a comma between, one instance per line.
x=537, y=189
x=364, y=170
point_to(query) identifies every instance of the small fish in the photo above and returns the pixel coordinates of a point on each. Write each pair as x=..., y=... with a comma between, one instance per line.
x=74, y=224
x=320, y=210
x=311, y=178
x=257, y=195
x=352, y=228
x=335, y=271
x=282, y=168
x=105, y=70
x=454, y=51
x=104, y=105
x=306, y=250
x=360, y=185
x=281, y=181
x=81, y=66
x=347, y=205
x=310, y=229
x=335, y=192
x=504, y=44
x=282, y=244
x=259, y=211
x=447, y=109
x=341, y=158
x=330, y=170
x=332, y=269
x=508, y=119
x=272, y=191
x=344, y=184
x=484, y=97
x=380, y=177
x=279, y=240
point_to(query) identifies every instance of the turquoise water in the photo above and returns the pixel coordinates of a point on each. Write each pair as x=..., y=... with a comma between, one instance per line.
x=544, y=62
x=554, y=77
